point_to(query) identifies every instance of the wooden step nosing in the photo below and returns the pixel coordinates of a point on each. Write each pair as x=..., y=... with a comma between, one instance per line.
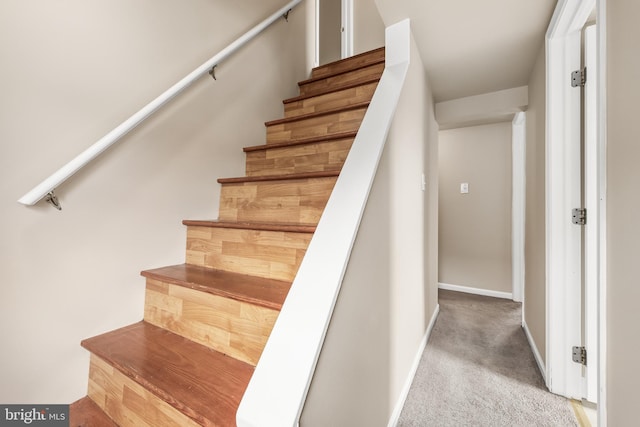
x=302, y=117
x=286, y=177
x=333, y=89
x=350, y=59
x=340, y=73
x=293, y=143
x=164, y=277
x=258, y=226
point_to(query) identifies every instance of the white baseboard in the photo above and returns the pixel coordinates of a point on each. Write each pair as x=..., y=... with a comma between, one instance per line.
x=534, y=348
x=395, y=415
x=476, y=291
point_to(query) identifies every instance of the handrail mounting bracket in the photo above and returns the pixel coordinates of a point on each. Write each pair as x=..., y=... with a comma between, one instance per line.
x=53, y=200
x=286, y=15
x=212, y=72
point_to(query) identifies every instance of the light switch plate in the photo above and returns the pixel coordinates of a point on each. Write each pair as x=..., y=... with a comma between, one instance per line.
x=464, y=188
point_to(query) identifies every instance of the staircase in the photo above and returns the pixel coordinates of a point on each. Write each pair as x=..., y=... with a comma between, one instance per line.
x=206, y=322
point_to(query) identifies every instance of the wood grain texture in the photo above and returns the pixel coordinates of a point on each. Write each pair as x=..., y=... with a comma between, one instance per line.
x=319, y=156
x=320, y=85
x=320, y=126
x=235, y=328
x=271, y=178
x=353, y=94
x=262, y=226
x=142, y=375
x=291, y=201
x=310, y=116
x=85, y=413
x=270, y=254
x=129, y=403
x=302, y=141
x=353, y=62
x=259, y=291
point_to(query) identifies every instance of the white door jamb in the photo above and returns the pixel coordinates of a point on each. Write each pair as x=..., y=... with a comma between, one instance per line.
x=347, y=29
x=518, y=200
x=601, y=100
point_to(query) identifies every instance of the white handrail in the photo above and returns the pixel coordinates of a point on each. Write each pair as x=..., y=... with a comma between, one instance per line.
x=278, y=388
x=65, y=172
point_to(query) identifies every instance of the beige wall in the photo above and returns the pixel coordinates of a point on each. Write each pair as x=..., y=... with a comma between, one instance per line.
x=623, y=205
x=535, y=232
x=387, y=297
x=72, y=71
x=475, y=228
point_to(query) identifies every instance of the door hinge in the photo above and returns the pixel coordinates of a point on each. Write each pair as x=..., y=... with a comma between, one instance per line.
x=579, y=77
x=579, y=355
x=579, y=216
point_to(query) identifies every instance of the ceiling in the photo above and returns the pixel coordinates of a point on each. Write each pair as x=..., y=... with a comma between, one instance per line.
x=471, y=47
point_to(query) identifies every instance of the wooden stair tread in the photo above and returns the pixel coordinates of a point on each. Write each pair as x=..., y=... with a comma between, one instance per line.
x=262, y=226
x=203, y=384
x=319, y=114
x=255, y=290
x=85, y=413
x=347, y=63
x=287, y=177
x=343, y=66
x=294, y=142
x=336, y=88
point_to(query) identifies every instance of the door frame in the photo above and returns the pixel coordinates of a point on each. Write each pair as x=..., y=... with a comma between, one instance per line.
x=563, y=193
x=518, y=202
x=591, y=229
x=601, y=101
x=347, y=29
x=569, y=18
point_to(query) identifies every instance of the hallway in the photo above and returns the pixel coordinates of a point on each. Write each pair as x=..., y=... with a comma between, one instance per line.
x=478, y=369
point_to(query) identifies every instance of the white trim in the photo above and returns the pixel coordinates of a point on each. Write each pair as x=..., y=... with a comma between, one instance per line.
x=601, y=29
x=591, y=229
x=534, y=349
x=346, y=38
x=563, y=193
x=475, y=291
x=518, y=202
x=397, y=410
x=316, y=55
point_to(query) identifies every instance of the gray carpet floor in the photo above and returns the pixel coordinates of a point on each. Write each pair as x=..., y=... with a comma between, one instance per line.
x=478, y=370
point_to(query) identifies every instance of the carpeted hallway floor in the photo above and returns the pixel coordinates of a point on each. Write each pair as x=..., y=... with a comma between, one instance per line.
x=478, y=370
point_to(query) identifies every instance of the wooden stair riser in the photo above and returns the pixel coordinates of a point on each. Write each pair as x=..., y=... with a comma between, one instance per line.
x=356, y=76
x=330, y=101
x=299, y=201
x=324, y=125
x=315, y=157
x=235, y=328
x=270, y=254
x=128, y=403
x=357, y=61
